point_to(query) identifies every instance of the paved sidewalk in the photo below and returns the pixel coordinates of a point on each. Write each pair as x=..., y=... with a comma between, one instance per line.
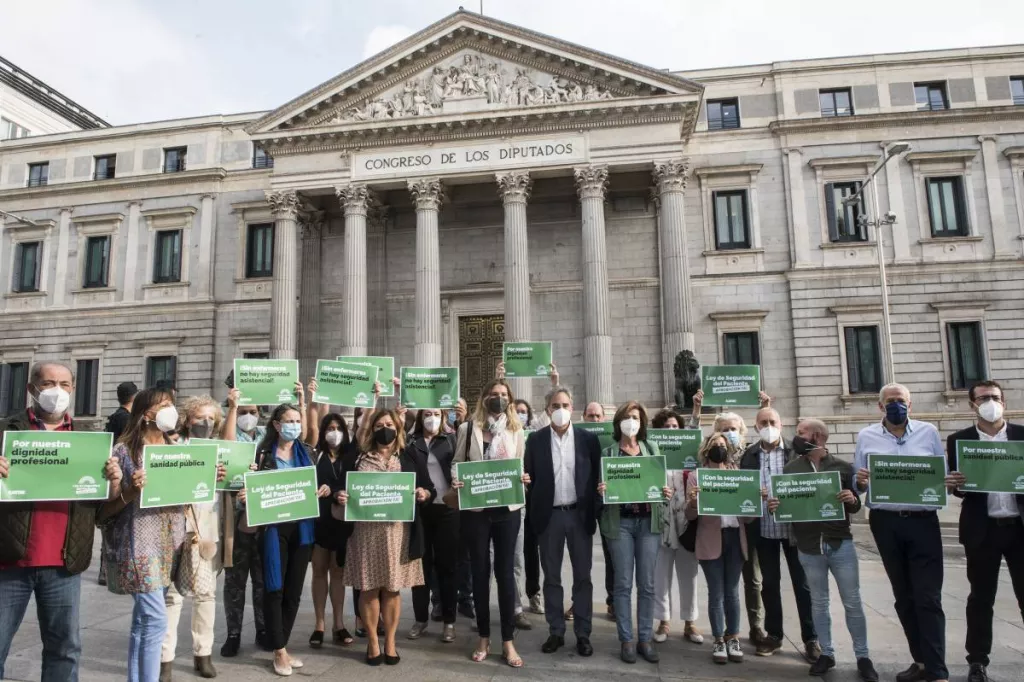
x=106, y=621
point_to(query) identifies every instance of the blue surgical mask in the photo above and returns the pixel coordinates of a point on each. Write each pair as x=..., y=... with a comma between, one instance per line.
x=733, y=437
x=896, y=413
x=451, y=418
x=290, y=432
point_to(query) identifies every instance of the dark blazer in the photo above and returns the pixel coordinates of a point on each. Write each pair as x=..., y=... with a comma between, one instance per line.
x=537, y=463
x=751, y=459
x=974, y=510
x=443, y=448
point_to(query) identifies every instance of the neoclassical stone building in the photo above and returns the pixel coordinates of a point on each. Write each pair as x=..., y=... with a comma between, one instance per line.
x=481, y=182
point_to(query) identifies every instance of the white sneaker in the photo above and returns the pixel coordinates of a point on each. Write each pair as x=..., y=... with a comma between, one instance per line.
x=733, y=651
x=537, y=603
x=718, y=653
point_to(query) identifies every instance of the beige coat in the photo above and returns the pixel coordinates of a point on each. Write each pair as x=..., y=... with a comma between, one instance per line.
x=515, y=441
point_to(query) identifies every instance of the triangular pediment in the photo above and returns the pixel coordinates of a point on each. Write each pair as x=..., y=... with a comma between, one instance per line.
x=468, y=67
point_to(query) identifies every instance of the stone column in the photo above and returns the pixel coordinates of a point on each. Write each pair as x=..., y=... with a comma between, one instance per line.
x=514, y=189
x=1002, y=239
x=60, y=281
x=427, y=194
x=131, y=250
x=591, y=183
x=309, y=299
x=900, y=232
x=284, y=304
x=677, y=305
x=355, y=199
x=206, y=247
x=799, y=226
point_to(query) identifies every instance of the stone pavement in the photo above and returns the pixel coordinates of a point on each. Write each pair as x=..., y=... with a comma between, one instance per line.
x=106, y=621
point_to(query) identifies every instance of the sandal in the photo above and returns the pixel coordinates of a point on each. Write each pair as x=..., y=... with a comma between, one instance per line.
x=480, y=656
x=343, y=637
x=513, y=662
x=316, y=640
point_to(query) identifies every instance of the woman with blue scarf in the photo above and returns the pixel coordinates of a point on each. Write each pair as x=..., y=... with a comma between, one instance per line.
x=285, y=547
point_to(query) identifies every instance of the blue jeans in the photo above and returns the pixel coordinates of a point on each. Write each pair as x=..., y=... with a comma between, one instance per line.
x=636, y=546
x=149, y=625
x=843, y=564
x=57, y=601
x=723, y=578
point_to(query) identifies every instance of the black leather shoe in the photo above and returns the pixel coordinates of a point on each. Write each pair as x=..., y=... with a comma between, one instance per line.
x=553, y=644
x=977, y=673
x=648, y=652
x=822, y=665
x=231, y=646
x=915, y=673
x=374, y=660
x=867, y=670
x=392, y=660
x=583, y=647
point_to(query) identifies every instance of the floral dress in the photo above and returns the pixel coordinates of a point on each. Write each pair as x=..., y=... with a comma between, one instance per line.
x=378, y=553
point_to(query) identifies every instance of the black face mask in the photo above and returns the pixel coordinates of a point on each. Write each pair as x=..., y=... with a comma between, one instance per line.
x=385, y=436
x=497, y=405
x=802, y=446
x=717, y=454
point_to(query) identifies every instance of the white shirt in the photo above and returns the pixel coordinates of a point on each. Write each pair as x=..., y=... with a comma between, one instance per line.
x=730, y=522
x=563, y=461
x=1000, y=505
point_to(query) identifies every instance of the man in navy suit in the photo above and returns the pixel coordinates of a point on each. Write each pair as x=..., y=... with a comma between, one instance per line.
x=990, y=527
x=564, y=467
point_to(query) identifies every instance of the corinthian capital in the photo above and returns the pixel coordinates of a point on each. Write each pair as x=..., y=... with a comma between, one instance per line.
x=427, y=193
x=284, y=204
x=355, y=199
x=313, y=224
x=670, y=176
x=591, y=181
x=514, y=186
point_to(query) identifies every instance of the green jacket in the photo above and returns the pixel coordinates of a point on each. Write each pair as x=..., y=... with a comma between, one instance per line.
x=811, y=536
x=608, y=516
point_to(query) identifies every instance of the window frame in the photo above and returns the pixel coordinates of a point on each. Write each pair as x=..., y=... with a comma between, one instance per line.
x=876, y=340
x=743, y=194
x=960, y=207
x=261, y=159
x=18, y=266
x=87, y=385
x=175, y=276
x=858, y=210
x=110, y=167
x=958, y=380
x=43, y=177
x=181, y=163
x=251, y=272
x=15, y=400
x=930, y=87
x=151, y=364
x=1018, y=100
x=104, y=280
x=738, y=322
x=722, y=122
x=832, y=92
x=754, y=336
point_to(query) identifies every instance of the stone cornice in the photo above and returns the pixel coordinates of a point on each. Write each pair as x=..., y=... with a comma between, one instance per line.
x=184, y=177
x=1014, y=152
x=899, y=118
x=944, y=155
x=739, y=169
x=827, y=162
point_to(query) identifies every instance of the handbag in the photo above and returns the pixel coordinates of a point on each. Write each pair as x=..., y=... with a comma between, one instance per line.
x=688, y=540
x=195, y=573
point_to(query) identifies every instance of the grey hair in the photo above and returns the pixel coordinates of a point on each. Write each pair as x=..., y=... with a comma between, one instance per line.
x=889, y=387
x=37, y=370
x=555, y=390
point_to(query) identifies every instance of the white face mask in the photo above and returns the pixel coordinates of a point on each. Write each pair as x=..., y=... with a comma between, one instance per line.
x=167, y=419
x=54, y=400
x=561, y=417
x=629, y=427
x=990, y=411
x=333, y=438
x=524, y=418
x=247, y=422
x=431, y=424
x=769, y=435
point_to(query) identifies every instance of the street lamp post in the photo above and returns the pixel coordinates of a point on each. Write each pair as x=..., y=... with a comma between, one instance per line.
x=889, y=218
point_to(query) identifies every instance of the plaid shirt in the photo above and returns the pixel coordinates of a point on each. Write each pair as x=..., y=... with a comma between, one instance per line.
x=38, y=425
x=773, y=463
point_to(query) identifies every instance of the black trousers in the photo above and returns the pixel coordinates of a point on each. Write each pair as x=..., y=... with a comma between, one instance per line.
x=440, y=557
x=531, y=558
x=1004, y=538
x=609, y=572
x=479, y=529
x=911, y=550
x=769, y=554
x=281, y=606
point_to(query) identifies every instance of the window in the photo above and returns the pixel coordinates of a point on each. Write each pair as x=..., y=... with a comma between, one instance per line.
x=27, y=257
x=167, y=259
x=259, y=250
x=844, y=222
x=105, y=166
x=947, y=206
x=97, y=262
x=741, y=348
x=930, y=96
x=87, y=378
x=9, y=130
x=160, y=368
x=261, y=159
x=256, y=356
x=174, y=159
x=723, y=114
x=834, y=103
x=1017, y=89
x=966, y=359
x=863, y=360
x=13, y=380
x=38, y=174
x=731, y=219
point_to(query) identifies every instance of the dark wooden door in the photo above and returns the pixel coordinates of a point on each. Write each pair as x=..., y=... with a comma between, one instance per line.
x=480, y=339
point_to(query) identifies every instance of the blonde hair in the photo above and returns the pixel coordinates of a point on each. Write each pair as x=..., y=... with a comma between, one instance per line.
x=733, y=456
x=730, y=416
x=511, y=417
x=191, y=406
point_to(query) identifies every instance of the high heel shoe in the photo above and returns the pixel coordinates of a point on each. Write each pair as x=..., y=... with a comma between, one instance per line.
x=392, y=660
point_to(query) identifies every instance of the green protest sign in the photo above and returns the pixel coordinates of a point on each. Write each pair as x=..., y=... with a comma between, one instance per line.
x=731, y=385
x=345, y=384
x=679, y=446
x=429, y=387
x=55, y=466
x=633, y=479
x=603, y=431
x=376, y=496
x=728, y=492
x=808, y=497
x=385, y=370
x=907, y=479
x=491, y=483
x=178, y=474
x=236, y=456
x=281, y=495
x=266, y=382
x=990, y=466
x=526, y=359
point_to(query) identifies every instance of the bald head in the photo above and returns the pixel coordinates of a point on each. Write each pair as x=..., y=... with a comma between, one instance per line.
x=593, y=413
x=814, y=431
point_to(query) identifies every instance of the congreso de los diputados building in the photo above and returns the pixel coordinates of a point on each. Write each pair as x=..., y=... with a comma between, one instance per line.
x=481, y=182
